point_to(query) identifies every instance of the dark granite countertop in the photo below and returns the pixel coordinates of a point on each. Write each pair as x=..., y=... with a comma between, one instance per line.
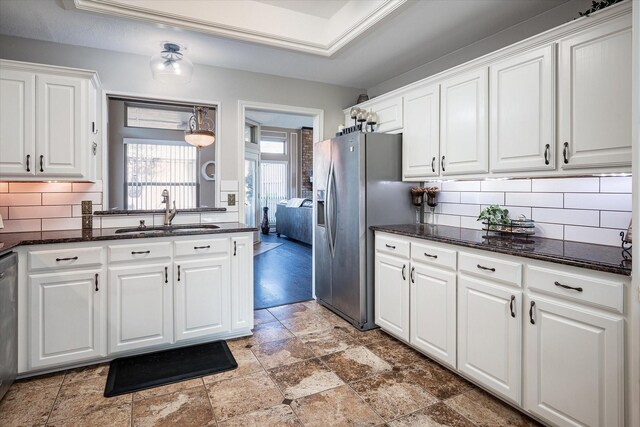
x=156, y=211
x=9, y=241
x=586, y=255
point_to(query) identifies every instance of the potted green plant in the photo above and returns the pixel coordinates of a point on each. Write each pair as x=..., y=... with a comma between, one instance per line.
x=495, y=217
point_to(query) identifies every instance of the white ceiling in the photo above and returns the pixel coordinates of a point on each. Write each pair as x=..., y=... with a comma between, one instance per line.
x=279, y=120
x=320, y=8
x=419, y=33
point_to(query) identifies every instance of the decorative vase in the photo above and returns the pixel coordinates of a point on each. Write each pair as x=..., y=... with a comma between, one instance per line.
x=265, y=221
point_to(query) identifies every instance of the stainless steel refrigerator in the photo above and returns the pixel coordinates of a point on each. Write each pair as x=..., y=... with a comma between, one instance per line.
x=357, y=183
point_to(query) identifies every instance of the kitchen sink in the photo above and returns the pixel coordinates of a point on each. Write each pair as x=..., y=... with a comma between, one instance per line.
x=161, y=229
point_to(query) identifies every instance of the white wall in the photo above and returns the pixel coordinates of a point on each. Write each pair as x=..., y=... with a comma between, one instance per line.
x=121, y=72
x=536, y=25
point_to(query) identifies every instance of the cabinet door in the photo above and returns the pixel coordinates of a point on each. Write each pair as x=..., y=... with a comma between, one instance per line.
x=389, y=113
x=140, y=306
x=392, y=295
x=202, y=297
x=464, y=120
x=241, y=282
x=66, y=317
x=575, y=365
x=421, y=134
x=17, y=124
x=595, y=96
x=433, y=312
x=61, y=131
x=522, y=136
x=490, y=335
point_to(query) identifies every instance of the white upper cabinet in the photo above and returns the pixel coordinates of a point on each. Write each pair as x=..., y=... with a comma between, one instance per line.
x=521, y=100
x=595, y=96
x=48, y=122
x=17, y=123
x=421, y=134
x=389, y=111
x=463, y=124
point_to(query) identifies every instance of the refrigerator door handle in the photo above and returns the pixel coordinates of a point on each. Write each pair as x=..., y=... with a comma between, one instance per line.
x=328, y=209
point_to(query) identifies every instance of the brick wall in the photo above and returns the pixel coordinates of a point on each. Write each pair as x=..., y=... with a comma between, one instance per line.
x=306, y=163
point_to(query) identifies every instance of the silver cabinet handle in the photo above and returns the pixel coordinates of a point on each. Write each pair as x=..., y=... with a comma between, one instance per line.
x=404, y=267
x=202, y=247
x=442, y=163
x=482, y=267
x=140, y=252
x=28, y=158
x=513, y=299
x=560, y=285
x=389, y=246
x=73, y=258
x=235, y=248
x=41, y=163
x=531, y=307
x=178, y=272
x=546, y=154
x=565, y=153
x=96, y=279
x=433, y=164
x=166, y=275
x=413, y=270
x=431, y=256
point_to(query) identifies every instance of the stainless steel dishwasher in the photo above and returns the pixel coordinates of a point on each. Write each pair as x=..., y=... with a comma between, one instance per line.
x=8, y=321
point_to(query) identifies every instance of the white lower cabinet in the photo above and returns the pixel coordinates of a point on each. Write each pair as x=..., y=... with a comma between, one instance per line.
x=241, y=282
x=66, y=317
x=202, y=300
x=433, y=312
x=490, y=335
x=140, y=306
x=575, y=364
x=392, y=294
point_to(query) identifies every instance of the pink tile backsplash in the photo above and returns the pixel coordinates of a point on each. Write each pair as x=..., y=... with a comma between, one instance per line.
x=588, y=209
x=46, y=206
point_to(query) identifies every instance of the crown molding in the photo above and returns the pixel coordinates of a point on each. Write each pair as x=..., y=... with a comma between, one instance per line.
x=325, y=44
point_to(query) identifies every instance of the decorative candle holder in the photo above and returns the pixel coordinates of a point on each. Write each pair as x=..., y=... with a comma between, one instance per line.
x=432, y=202
x=417, y=199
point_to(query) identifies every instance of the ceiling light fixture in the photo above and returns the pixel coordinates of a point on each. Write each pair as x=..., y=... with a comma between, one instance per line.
x=170, y=65
x=199, y=131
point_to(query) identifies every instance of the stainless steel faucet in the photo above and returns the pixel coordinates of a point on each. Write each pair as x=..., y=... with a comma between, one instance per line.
x=169, y=213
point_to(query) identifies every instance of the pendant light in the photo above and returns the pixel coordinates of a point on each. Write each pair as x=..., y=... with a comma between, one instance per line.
x=170, y=65
x=199, y=131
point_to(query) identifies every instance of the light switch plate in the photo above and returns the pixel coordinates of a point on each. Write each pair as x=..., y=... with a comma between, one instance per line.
x=231, y=199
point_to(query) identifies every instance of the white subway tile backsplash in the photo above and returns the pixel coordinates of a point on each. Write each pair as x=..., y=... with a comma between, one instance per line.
x=52, y=224
x=566, y=185
x=70, y=198
x=20, y=199
x=87, y=187
x=600, y=236
x=482, y=198
x=31, y=212
x=448, y=197
x=228, y=185
x=76, y=210
x=179, y=219
x=536, y=200
x=4, y=187
x=516, y=212
x=215, y=217
x=39, y=187
x=460, y=209
x=550, y=231
x=20, y=225
x=615, y=184
x=470, y=222
x=619, y=220
x=461, y=186
x=605, y=202
x=119, y=221
x=4, y=212
x=513, y=185
x=566, y=216
x=449, y=220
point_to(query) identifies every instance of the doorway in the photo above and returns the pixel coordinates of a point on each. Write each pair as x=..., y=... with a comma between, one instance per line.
x=278, y=170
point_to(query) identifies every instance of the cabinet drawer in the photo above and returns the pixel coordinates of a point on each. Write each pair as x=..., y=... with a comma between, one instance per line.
x=63, y=258
x=201, y=247
x=142, y=251
x=434, y=256
x=392, y=245
x=599, y=293
x=491, y=268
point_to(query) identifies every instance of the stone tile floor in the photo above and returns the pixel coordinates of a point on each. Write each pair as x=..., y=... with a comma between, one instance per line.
x=303, y=366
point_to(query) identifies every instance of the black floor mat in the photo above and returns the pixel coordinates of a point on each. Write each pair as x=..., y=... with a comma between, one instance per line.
x=135, y=373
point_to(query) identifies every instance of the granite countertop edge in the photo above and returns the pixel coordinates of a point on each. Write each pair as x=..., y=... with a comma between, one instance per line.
x=558, y=259
x=10, y=241
x=155, y=211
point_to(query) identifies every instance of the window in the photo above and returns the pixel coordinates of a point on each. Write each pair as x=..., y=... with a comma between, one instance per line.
x=152, y=166
x=274, y=186
x=156, y=117
x=273, y=142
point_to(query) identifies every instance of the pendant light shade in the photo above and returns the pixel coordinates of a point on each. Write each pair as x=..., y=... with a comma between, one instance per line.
x=170, y=65
x=199, y=132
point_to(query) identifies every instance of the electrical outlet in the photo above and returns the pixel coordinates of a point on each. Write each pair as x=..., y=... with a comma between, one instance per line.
x=231, y=199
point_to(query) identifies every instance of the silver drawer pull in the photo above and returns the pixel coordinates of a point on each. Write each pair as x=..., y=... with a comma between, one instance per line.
x=431, y=256
x=74, y=258
x=140, y=252
x=579, y=289
x=390, y=246
x=482, y=267
x=201, y=247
